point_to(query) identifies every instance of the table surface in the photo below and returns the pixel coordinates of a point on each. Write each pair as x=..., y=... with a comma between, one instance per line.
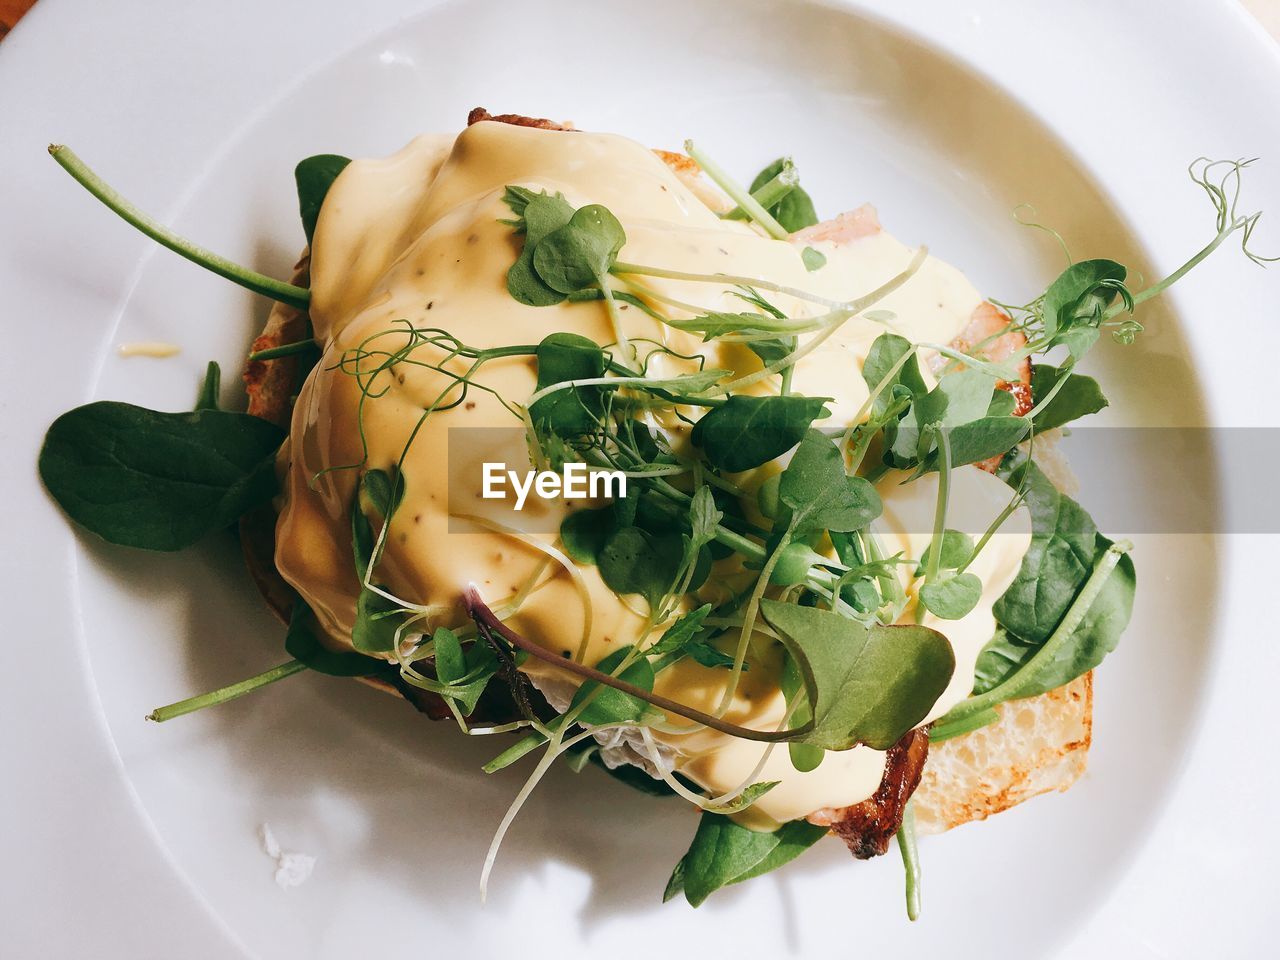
x=1267, y=12
x=10, y=12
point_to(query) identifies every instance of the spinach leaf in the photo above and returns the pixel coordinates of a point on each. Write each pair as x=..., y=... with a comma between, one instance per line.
x=382, y=492
x=794, y=211
x=982, y=439
x=1064, y=549
x=956, y=549
x=1097, y=634
x=573, y=411
x=819, y=495
x=962, y=404
x=568, y=356
x=1063, y=545
x=1078, y=340
x=1078, y=397
x=747, y=431
x=868, y=684
x=723, y=853
x=957, y=399
x=968, y=394
x=794, y=563
x=1003, y=403
x=377, y=620
x=314, y=176
x=585, y=532
x=158, y=481
x=302, y=642
x=626, y=509
x=450, y=660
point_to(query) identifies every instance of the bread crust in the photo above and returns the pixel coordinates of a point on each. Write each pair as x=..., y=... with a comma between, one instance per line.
x=480, y=114
x=271, y=384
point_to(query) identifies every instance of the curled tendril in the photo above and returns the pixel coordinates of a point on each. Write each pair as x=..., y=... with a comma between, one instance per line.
x=1224, y=193
x=1037, y=225
x=373, y=366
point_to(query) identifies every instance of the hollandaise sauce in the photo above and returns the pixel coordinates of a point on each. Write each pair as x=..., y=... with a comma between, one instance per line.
x=423, y=239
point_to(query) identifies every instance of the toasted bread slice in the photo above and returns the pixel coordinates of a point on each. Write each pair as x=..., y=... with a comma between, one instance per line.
x=271, y=384
x=1038, y=744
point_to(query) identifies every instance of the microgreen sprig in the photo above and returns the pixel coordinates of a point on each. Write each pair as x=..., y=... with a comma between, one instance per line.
x=249, y=279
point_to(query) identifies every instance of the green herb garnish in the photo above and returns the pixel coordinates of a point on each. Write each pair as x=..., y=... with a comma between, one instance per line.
x=158, y=481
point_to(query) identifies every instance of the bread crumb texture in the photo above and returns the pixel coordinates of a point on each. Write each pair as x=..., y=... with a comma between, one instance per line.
x=1038, y=744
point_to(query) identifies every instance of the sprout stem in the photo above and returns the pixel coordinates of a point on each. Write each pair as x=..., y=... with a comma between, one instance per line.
x=910, y=860
x=286, y=293
x=1160, y=286
x=938, y=732
x=226, y=694
x=622, y=268
x=940, y=510
x=770, y=193
x=285, y=350
x=737, y=192
x=833, y=322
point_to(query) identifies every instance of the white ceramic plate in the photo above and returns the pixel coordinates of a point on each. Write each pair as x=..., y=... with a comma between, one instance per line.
x=129, y=839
